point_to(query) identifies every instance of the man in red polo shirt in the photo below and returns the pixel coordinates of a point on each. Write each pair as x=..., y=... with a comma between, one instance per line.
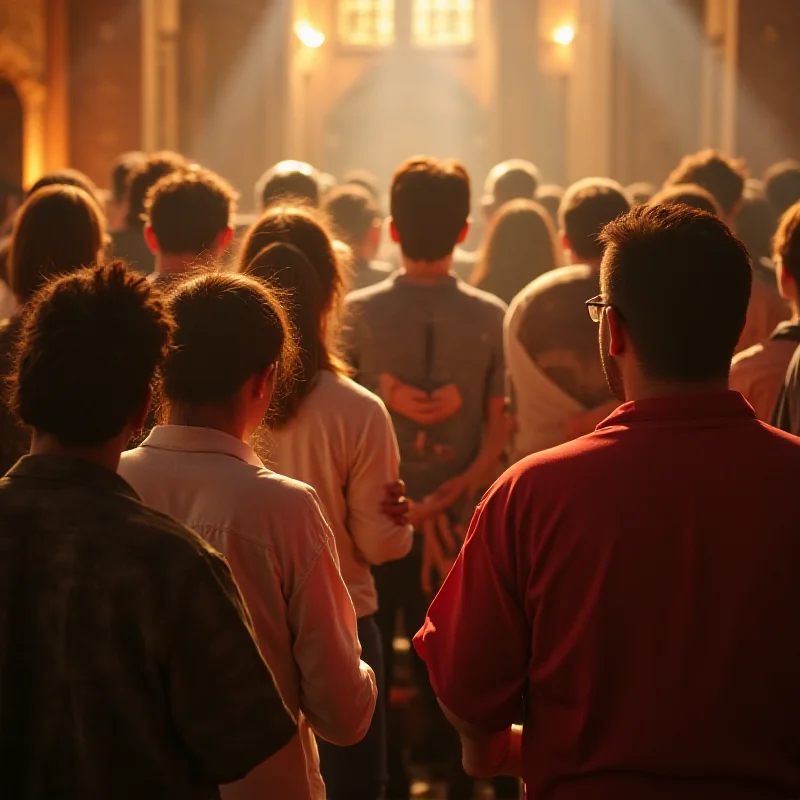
x=636, y=591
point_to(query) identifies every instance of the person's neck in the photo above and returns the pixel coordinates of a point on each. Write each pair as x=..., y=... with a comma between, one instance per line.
x=649, y=389
x=175, y=263
x=214, y=417
x=427, y=272
x=106, y=454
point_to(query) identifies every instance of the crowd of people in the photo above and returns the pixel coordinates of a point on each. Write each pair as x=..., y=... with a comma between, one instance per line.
x=311, y=504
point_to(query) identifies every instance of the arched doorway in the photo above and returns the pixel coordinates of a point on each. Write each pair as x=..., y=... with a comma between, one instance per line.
x=401, y=108
x=11, y=134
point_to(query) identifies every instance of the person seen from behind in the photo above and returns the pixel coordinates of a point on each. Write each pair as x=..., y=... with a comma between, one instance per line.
x=187, y=216
x=129, y=667
x=556, y=373
x=356, y=218
x=58, y=230
x=759, y=372
x=233, y=352
x=431, y=347
x=334, y=435
x=521, y=245
x=618, y=572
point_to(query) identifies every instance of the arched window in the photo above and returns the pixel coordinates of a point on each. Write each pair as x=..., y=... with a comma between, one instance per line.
x=366, y=23
x=443, y=23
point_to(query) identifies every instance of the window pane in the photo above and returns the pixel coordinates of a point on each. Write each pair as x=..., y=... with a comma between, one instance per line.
x=439, y=23
x=366, y=23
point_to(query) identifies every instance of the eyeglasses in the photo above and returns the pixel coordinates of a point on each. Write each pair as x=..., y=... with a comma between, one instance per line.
x=595, y=308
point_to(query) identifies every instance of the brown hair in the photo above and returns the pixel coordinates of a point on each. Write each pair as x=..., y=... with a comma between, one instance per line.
x=227, y=328
x=145, y=176
x=722, y=177
x=59, y=229
x=352, y=211
x=430, y=204
x=786, y=244
x=283, y=266
x=189, y=209
x=521, y=245
x=680, y=281
x=88, y=349
x=307, y=230
x=688, y=194
x=586, y=208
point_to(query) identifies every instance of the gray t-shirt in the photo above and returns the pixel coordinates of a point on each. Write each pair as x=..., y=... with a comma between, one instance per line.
x=443, y=338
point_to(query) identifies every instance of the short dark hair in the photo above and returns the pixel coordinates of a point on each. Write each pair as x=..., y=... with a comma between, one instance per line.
x=680, y=280
x=782, y=185
x=147, y=175
x=67, y=177
x=120, y=172
x=586, y=208
x=306, y=229
x=364, y=179
x=228, y=328
x=430, y=207
x=59, y=229
x=189, y=209
x=723, y=177
x=688, y=194
x=549, y=197
x=289, y=181
x=755, y=224
x=514, y=179
x=786, y=245
x=88, y=349
x=352, y=211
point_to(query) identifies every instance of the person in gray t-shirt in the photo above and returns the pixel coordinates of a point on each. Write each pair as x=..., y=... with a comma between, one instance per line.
x=432, y=348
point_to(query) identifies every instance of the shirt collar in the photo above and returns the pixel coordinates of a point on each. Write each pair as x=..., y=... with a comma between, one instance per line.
x=448, y=281
x=681, y=408
x=72, y=471
x=184, y=438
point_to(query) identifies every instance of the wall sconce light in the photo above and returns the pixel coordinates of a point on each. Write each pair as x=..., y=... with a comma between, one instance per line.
x=310, y=36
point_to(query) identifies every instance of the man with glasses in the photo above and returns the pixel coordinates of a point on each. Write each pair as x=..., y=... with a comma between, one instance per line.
x=618, y=584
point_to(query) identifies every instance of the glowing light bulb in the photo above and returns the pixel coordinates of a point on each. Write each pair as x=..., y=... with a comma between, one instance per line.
x=309, y=35
x=564, y=35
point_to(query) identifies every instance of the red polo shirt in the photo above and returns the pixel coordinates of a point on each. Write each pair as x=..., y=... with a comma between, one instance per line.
x=640, y=588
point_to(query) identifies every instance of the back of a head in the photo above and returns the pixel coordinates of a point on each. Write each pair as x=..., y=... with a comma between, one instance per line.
x=521, y=245
x=59, y=229
x=687, y=194
x=786, y=245
x=515, y=179
x=284, y=267
x=782, y=182
x=549, y=197
x=353, y=212
x=88, y=350
x=121, y=171
x=305, y=228
x=430, y=205
x=755, y=224
x=228, y=328
x=147, y=175
x=680, y=281
x=586, y=208
x=289, y=181
x=188, y=210
x=67, y=177
x=364, y=179
x=721, y=176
